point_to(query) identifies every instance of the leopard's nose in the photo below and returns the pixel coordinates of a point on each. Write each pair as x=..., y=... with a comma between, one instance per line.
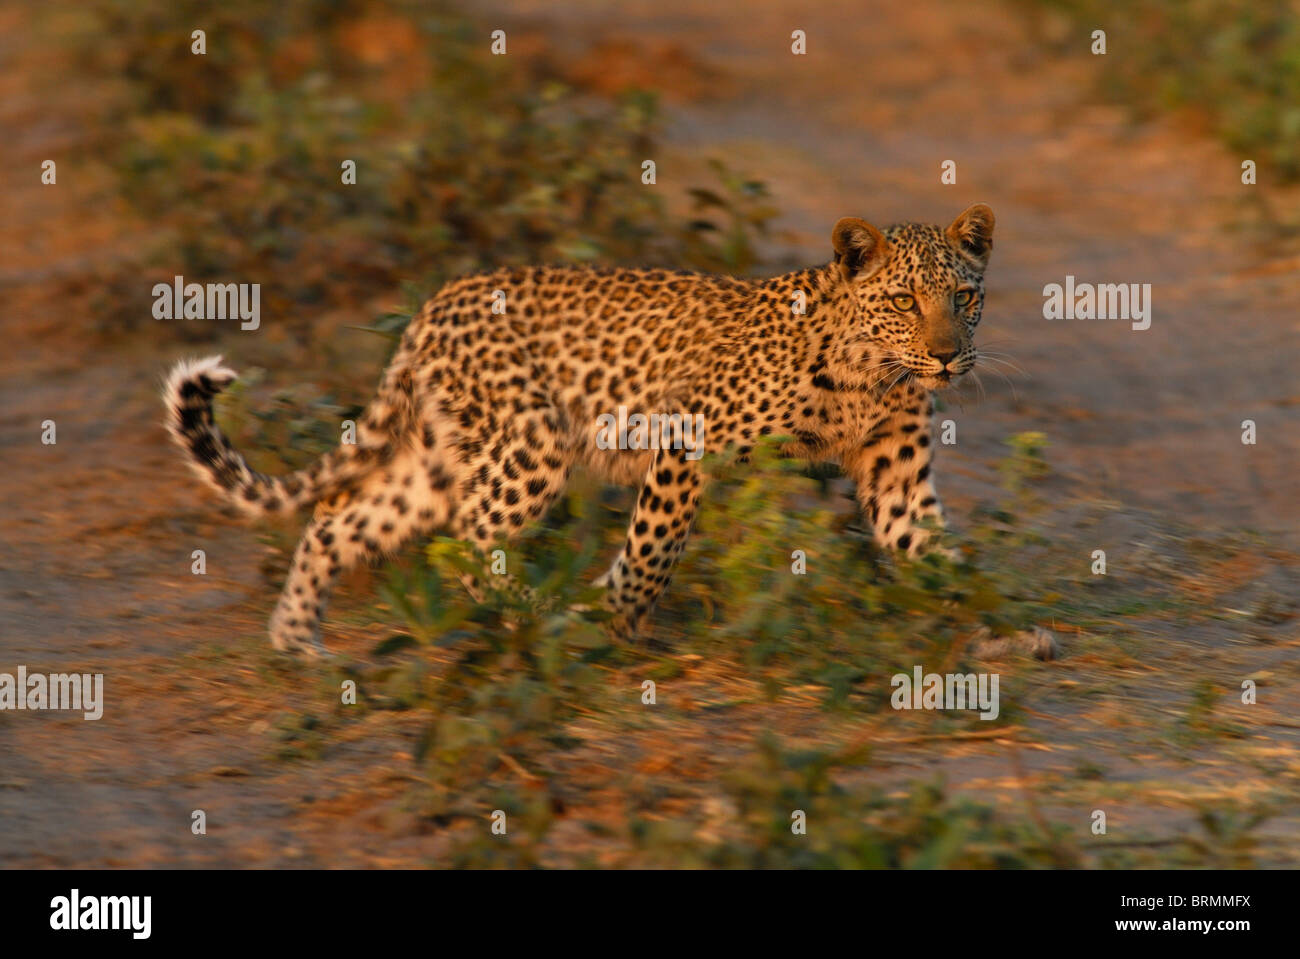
x=944, y=357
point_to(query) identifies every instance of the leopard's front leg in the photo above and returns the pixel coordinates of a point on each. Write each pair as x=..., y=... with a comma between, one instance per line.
x=892, y=470
x=661, y=522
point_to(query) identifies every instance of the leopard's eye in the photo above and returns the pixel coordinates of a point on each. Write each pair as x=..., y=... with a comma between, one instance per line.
x=964, y=297
x=903, y=302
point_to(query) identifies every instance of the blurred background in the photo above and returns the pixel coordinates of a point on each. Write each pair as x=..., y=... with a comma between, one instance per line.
x=772, y=690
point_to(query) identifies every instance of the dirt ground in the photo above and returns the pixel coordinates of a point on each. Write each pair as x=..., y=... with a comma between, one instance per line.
x=97, y=529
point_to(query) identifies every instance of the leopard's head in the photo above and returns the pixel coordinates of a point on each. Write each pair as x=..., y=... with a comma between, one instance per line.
x=914, y=295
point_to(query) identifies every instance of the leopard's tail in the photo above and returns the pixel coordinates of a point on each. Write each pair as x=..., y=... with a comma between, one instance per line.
x=188, y=394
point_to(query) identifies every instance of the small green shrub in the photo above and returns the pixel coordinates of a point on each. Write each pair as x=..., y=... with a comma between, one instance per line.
x=236, y=156
x=1236, y=63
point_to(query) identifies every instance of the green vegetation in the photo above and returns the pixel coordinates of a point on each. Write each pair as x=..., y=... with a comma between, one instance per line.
x=462, y=160
x=505, y=694
x=1238, y=64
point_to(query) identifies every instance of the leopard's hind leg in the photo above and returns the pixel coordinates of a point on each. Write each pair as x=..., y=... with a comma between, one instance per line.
x=411, y=495
x=512, y=477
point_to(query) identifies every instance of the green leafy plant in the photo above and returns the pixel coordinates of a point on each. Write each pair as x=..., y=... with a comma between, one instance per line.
x=237, y=156
x=1238, y=64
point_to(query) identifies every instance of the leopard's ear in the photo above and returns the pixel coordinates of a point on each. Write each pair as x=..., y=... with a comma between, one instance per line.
x=860, y=249
x=972, y=234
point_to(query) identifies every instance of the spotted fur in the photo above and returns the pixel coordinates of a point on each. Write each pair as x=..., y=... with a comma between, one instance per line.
x=482, y=416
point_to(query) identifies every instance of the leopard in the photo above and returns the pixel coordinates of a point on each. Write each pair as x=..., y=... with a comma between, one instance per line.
x=503, y=384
